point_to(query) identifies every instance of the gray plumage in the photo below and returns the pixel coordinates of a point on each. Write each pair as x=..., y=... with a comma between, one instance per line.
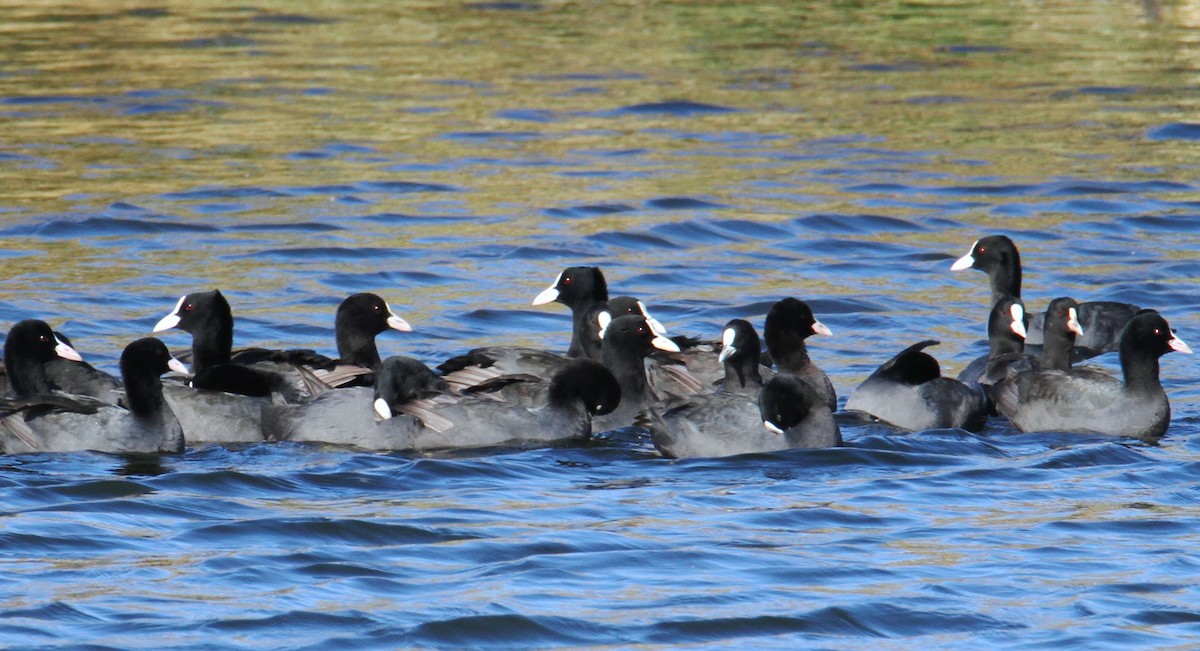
x=909, y=392
x=1054, y=400
x=147, y=426
x=516, y=411
x=725, y=424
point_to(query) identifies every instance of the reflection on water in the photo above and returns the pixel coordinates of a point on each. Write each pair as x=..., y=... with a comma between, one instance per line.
x=713, y=157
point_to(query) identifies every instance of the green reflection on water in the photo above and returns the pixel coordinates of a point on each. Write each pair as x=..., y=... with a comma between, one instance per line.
x=190, y=95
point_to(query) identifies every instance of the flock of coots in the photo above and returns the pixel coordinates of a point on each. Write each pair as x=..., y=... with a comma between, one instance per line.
x=621, y=372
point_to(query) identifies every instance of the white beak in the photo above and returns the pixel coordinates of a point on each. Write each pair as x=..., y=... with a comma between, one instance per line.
x=662, y=343
x=1018, y=321
x=1073, y=322
x=727, y=348
x=965, y=262
x=822, y=329
x=654, y=323
x=396, y=323
x=1178, y=344
x=771, y=427
x=66, y=352
x=382, y=408
x=550, y=294
x=178, y=367
x=171, y=320
x=603, y=319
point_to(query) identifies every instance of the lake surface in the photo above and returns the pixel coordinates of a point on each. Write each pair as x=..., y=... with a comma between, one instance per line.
x=712, y=158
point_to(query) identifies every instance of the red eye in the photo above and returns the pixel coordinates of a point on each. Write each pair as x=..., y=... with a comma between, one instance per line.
x=43, y=338
x=189, y=307
x=1158, y=331
x=981, y=249
x=376, y=308
x=566, y=280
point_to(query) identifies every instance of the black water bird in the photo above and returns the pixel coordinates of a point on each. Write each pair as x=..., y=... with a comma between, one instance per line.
x=997, y=256
x=909, y=392
x=411, y=408
x=1054, y=400
x=54, y=422
x=788, y=324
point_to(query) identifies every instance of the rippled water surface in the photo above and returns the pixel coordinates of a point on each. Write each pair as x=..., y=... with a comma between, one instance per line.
x=712, y=158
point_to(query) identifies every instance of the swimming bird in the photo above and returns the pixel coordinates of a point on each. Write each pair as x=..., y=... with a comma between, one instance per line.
x=1053, y=400
x=29, y=346
x=584, y=290
x=1006, y=343
x=788, y=323
x=997, y=256
x=786, y=413
x=147, y=426
x=740, y=359
x=909, y=392
x=408, y=410
x=579, y=288
x=625, y=354
x=791, y=408
x=628, y=341
x=699, y=356
x=256, y=371
x=359, y=319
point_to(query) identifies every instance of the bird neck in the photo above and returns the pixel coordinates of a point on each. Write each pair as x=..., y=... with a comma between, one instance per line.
x=26, y=377
x=212, y=341
x=792, y=357
x=354, y=348
x=1006, y=281
x=630, y=371
x=1056, y=349
x=143, y=395
x=1140, y=369
x=742, y=371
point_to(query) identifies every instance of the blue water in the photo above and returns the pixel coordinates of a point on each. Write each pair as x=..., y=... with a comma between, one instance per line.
x=708, y=208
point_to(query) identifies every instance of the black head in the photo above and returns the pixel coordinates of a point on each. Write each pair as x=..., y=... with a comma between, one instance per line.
x=1062, y=316
x=196, y=309
x=369, y=313
x=148, y=355
x=788, y=324
x=575, y=286
x=997, y=256
x=1007, y=321
x=739, y=339
x=632, y=334
x=589, y=382
x=35, y=340
x=623, y=305
x=401, y=379
x=30, y=344
x=1149, y=331
x=142, y=362
x=988, y=253
x=741, y=350
x=785, y=400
